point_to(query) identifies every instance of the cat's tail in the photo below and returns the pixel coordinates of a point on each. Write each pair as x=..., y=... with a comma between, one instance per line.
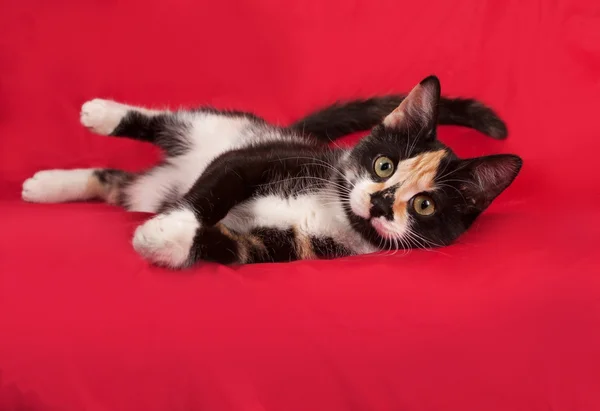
x=343, y=118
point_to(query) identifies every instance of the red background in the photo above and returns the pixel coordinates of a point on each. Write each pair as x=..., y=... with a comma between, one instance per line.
x=507, y=319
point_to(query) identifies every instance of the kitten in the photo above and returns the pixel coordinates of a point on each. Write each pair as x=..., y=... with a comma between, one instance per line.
x=235, y=189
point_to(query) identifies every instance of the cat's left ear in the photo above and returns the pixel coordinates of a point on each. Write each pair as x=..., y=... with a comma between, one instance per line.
x=487, y=177
x=419, y=109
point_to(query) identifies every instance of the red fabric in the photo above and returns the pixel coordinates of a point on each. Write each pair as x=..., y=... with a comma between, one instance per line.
x=507, y=319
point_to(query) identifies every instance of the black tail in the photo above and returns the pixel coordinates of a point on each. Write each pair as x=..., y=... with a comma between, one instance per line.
x=343, y=118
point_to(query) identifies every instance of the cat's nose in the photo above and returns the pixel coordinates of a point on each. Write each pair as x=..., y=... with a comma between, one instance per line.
x=380, y=206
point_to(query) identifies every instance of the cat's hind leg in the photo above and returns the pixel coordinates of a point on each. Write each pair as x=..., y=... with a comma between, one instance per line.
x=60, y=186
x=166, y=129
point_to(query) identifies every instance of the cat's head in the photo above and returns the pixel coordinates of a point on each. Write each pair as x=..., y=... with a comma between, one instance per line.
x=408, y=190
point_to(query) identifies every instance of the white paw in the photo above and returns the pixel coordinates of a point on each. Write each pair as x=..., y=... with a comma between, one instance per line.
x=167, y=238
x=55, y=186
x=102, y=116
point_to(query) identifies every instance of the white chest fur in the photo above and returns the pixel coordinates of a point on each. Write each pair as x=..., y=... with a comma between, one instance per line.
x=311, y=214
x=307, y=213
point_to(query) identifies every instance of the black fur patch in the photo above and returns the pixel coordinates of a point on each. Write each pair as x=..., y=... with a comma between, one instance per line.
x=279, y=245
x=226, y=247
x=474, y=114
x=211, y=244
x=166, y=130
x=327, y=247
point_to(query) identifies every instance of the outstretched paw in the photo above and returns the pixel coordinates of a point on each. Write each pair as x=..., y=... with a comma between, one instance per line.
x=102, y=116
x=56, y=186
x=168, y=238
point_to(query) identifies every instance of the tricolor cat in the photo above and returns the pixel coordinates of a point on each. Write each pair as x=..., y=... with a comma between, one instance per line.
x=235, y=189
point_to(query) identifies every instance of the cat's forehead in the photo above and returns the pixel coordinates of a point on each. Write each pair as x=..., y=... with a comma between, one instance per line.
x=416, y=174
x=411, y=176
x=398, y=144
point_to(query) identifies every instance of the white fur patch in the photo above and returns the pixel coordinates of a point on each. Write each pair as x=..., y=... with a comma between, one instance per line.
x=167, y=238
x=102, y=116
x=57, y=186
x=360, y=198
x=307, y=213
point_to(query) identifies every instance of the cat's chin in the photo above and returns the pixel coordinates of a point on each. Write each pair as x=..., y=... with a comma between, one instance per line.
x=381, y=225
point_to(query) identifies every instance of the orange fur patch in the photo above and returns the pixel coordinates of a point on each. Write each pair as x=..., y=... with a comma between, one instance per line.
x=245, y=242
x=416, y=174
x=105, y=191
x=243, y=251
x=304, y=247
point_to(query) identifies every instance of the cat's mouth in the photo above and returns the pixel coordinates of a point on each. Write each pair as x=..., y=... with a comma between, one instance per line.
x=383, y=227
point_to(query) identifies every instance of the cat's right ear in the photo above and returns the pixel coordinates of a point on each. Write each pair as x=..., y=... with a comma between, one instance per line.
x=419, y=108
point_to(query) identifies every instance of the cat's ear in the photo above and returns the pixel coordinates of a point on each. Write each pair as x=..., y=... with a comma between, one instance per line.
x=419, y=108
x=487, y=177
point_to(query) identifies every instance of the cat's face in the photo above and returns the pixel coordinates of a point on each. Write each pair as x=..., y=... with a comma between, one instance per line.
x=408, y=190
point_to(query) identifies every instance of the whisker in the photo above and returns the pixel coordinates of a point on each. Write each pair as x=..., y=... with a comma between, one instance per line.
x=396, y=246
x=460, y=181
x=405, y=246
x=319, y=162
x=283, y=180
x=432, y=250
x=329, y=166
x=407, y=143
x=414, y=145
x=453, y=171
x=427, y=241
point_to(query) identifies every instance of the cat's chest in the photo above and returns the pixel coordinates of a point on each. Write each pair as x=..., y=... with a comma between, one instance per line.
x=310, y=214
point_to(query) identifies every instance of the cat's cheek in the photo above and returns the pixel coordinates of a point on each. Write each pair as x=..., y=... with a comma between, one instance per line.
x=351, y=174
x=360, y=200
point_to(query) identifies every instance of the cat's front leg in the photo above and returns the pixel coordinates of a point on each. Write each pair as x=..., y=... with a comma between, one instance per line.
x=176, y=239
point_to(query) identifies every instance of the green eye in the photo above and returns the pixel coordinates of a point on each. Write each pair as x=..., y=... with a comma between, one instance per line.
x=383, y=167
x=423, y=205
